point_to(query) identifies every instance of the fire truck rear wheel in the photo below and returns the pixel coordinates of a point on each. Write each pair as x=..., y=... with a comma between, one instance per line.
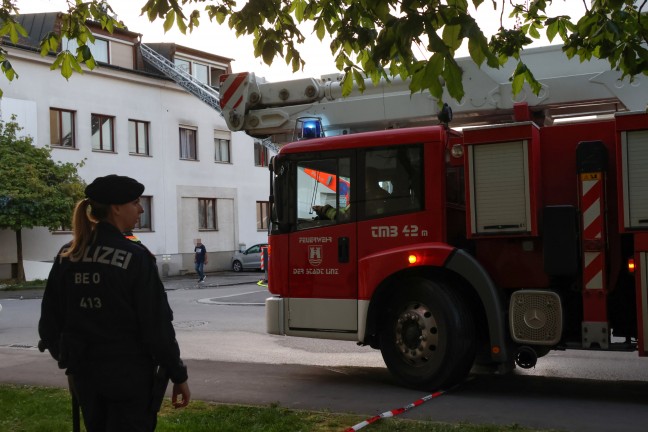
x=427, y=339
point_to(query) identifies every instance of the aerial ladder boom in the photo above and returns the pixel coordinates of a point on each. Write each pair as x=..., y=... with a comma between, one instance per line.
x=194, y=86
x=569, y=88
x=202, y=91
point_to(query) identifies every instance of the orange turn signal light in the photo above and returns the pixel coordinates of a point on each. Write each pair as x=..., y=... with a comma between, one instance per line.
x=412, y=259
x=631, y=265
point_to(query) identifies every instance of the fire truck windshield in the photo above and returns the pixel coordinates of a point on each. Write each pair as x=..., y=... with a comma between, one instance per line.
x=323, y=191
x=325, y=188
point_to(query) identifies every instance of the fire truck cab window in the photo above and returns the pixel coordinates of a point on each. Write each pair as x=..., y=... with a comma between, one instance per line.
x=323, y=192
x=392, y=181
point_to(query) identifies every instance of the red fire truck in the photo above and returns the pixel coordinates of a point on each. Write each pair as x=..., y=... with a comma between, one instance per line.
x=495, y=244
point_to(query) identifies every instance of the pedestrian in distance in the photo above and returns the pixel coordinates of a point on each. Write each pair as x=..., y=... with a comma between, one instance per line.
x=105, y=316
x=200, y=259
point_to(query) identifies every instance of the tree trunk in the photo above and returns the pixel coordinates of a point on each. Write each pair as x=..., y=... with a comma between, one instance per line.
x=19, y=254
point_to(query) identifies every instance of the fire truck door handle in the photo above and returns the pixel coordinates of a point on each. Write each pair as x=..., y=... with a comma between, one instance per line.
x=343, y=249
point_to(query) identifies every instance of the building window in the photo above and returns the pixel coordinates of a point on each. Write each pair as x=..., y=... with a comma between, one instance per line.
x=103, y=132
x=183, y=64
x=206, y=74
x=262, y=215
x=98, y=49
x=260, y=155
x=138, y=137
x=214, y=74
x=62, y=128
x=188, y=144
x=145, y=221
x=222, y=150
x=201, y=73
x=207, y=214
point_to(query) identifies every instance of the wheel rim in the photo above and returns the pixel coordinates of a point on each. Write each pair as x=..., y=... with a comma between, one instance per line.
x=417, y=335
x=237, y=266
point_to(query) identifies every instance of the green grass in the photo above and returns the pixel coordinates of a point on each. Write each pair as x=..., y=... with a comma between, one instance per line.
x=13, y=285
x=36, y=409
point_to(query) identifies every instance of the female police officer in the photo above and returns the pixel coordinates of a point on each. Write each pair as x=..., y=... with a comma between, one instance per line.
x=105, y=316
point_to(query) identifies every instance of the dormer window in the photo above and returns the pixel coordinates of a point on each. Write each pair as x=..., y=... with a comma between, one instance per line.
x=99, y=49
x=201, y=73
x=185, y=65
x=205, y=73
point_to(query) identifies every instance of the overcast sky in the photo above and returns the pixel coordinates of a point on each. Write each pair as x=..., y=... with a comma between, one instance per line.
x=212, y=38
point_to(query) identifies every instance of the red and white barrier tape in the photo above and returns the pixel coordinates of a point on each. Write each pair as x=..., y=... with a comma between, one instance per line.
x=395, y=412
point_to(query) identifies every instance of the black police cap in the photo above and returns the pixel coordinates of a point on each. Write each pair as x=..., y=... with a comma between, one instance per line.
x=114, y=189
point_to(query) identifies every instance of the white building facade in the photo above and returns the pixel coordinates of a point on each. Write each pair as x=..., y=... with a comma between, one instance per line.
x=202, y=181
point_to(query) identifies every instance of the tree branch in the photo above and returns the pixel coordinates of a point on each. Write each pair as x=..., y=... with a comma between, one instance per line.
x=639, y=20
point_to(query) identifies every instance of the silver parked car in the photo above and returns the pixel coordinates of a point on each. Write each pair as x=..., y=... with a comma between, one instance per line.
x=249, y=259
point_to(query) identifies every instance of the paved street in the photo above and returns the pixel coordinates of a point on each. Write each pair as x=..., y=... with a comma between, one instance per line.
x=220, y=326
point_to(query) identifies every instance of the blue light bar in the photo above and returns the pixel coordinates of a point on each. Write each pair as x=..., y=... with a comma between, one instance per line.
x=311, y=129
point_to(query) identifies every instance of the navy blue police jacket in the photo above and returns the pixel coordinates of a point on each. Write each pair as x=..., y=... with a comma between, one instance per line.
x=110, y=304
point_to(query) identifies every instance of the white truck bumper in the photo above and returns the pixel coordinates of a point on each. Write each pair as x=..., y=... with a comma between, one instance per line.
x=274, y=307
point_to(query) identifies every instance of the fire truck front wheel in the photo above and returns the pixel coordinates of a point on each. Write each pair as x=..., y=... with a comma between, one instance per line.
x=427, y=338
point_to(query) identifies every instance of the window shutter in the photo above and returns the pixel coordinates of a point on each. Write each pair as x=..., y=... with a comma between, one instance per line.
x=635, y=179
x=500, y=188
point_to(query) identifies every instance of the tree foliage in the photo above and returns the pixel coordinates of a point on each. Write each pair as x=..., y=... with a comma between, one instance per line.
x=73, y=27
x=34, y=189
x=376, y=38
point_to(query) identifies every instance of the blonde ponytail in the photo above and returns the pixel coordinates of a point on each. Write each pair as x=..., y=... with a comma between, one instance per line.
x=84, y=219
